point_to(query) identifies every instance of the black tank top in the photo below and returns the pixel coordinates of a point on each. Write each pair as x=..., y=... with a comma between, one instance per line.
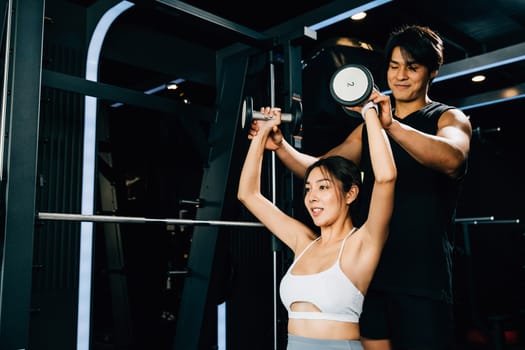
x=417, y=257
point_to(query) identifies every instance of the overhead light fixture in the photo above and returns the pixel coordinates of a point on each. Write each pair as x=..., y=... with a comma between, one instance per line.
x=342, y=16
x=484, y=62
x=358, y=16
x=174, y=84
x=478, y=78
x=511, y=93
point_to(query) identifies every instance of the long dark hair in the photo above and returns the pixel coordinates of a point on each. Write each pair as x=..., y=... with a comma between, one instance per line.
x=342, y=169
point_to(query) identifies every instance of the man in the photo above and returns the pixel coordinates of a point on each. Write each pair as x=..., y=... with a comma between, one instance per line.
x=409, y=304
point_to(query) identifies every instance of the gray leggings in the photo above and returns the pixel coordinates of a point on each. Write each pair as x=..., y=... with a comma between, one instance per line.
x=302, y=343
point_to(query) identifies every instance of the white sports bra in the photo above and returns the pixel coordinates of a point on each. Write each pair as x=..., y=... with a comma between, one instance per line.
x=331, y=291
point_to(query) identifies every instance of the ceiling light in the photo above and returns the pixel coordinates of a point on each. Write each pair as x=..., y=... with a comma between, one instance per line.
x=511, y=92
x=358, y=16
x=174, y=84
x=478, y=78
x=342, y=16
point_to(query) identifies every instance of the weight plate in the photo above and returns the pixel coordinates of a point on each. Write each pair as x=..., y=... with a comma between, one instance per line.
x=351, y=85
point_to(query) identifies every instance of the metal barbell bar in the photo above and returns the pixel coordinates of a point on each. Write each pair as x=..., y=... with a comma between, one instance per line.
x=140, y=220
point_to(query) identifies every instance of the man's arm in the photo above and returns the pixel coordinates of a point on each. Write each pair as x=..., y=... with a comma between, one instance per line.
x=296, y=161
x=446, y=151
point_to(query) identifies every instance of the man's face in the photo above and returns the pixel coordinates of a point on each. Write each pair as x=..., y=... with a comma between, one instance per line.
x=407, y=79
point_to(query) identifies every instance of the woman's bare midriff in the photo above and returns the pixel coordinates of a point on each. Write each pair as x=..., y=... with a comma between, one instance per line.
x=321, y=329
x=324, y=329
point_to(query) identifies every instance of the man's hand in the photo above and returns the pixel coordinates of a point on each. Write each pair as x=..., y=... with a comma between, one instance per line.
x=385, y=108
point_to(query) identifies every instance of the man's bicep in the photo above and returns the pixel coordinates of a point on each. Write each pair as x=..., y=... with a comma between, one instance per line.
x=350, y=148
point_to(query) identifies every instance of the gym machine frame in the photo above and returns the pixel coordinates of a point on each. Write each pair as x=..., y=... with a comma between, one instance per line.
x=25, y=81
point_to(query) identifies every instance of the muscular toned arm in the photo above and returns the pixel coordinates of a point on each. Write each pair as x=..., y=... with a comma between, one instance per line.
x=446, y=151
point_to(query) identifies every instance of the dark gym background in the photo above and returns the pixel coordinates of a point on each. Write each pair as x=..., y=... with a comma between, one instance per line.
x=177, y=154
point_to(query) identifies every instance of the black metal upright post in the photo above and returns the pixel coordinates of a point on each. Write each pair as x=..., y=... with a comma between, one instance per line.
x=195, y=303
x=496, y=336
x=22, y=119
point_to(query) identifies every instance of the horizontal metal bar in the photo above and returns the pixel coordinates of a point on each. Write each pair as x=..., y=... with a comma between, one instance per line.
x=505, y=221
x=487, y=220
x=211, y=18
x=62, y=81
x=141, y=220
x=489, y=60
x=474, y=220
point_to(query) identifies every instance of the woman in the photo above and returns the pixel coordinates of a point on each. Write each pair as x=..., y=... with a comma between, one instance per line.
x=324, y=287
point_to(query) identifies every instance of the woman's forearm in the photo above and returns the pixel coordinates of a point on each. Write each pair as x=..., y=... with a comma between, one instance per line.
x=250, y=179
x=381, y=155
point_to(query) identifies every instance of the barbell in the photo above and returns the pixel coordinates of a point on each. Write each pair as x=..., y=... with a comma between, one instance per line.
x=294, y=117
x=140, y=220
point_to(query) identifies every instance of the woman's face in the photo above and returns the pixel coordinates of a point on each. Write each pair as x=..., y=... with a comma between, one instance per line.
x=323, y=198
